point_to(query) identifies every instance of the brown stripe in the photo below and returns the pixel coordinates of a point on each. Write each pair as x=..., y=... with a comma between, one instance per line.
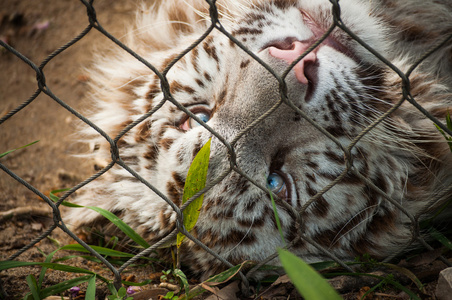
x=143, y=132
x=210, y=49
x=166, y=143
x=174, y=193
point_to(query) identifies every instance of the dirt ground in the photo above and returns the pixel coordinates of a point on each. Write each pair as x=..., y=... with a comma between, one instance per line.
x=36, y=29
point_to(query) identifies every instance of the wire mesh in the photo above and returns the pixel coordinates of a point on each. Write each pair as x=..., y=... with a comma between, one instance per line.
x=117, y=160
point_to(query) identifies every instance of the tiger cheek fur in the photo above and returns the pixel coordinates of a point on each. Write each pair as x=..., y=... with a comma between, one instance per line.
x=340, y=86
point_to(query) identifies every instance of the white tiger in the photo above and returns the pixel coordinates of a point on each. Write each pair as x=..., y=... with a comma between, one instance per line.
x=340, y=86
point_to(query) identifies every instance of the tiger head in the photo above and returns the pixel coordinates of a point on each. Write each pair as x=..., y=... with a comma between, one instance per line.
x=298, y=99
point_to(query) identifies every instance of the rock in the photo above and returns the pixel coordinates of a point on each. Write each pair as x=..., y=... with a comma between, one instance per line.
x=444, y=287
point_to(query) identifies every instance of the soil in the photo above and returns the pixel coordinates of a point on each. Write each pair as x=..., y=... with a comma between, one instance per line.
x=36, y=29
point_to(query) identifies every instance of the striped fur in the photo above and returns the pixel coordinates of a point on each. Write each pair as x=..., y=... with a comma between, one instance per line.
x=349, y=88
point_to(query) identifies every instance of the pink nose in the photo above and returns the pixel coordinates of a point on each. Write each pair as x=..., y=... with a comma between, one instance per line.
x=289, y=55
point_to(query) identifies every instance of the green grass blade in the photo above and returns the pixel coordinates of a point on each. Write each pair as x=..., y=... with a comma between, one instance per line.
x=394, y=283
x=28, y=296
x=278, y=223
x=386, y=279
x=449, y=126
x=68, y=257
x=121, y=225
x=318, y=266
x=107, y=214
x=63, y=286
x=448, y=138
x=195, y=181
x=44, y=269
x=143, y=283
x=31, y=280
x=440, y=237
x=119, y=262
x=183, y=279
x=100, y=250
x=8, y=152
x=15, y=264
x=112, y=288
x=307, y=281
x=54, y=197
x=372, y=289
x=225, y=275
x=448, y=121
x=58, y=288
x=114, y=240
x=407, y=273
x=5, y=265
x=91, y=289
x=411, y=294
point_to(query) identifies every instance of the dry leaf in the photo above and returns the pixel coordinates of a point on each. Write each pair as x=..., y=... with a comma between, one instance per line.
x=228, y=292
x=281, y=279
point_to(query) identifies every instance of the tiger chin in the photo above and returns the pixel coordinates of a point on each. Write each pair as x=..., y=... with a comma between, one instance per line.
x=292, y=132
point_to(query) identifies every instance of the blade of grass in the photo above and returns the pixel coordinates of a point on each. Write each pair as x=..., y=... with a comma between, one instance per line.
x=109, y=215
x=316, y=288
x=98, y=249
x=114, y=240
x=68, y=257
x=278, y=223
x=119, y=262
x=8, y=152
x=147, y=281
x=44, y=269
x=112, y=288
x=440, y=237
x=64, y=286
x=428, y=222
x=183, y=279
x=448, y=138
x=405, y=272
x=402, y=288
x=55, y=198
x=324, y=265
x=449, y=125
x=91, y=289
x=388, y=280
x=31, y=280
x=122, y=226
x=5, y=265
x=372, y=289
x=449, y=121
x=195, y=181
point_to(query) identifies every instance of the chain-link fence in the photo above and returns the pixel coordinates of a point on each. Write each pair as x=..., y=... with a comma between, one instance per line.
x=165, y=86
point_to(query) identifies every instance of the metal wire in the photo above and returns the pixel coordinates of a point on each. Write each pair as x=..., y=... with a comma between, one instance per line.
x=230, y=146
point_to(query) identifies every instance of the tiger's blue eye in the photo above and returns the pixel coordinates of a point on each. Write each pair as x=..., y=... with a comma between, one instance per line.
x=275, y=183
x=190, y=123
x=204, y=116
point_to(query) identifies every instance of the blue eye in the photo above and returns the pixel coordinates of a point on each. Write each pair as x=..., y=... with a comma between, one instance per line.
x=190, y=123
x=275, y=183
x=204, y=116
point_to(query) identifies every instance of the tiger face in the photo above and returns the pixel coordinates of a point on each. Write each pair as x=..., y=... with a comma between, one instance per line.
x=289, y=109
